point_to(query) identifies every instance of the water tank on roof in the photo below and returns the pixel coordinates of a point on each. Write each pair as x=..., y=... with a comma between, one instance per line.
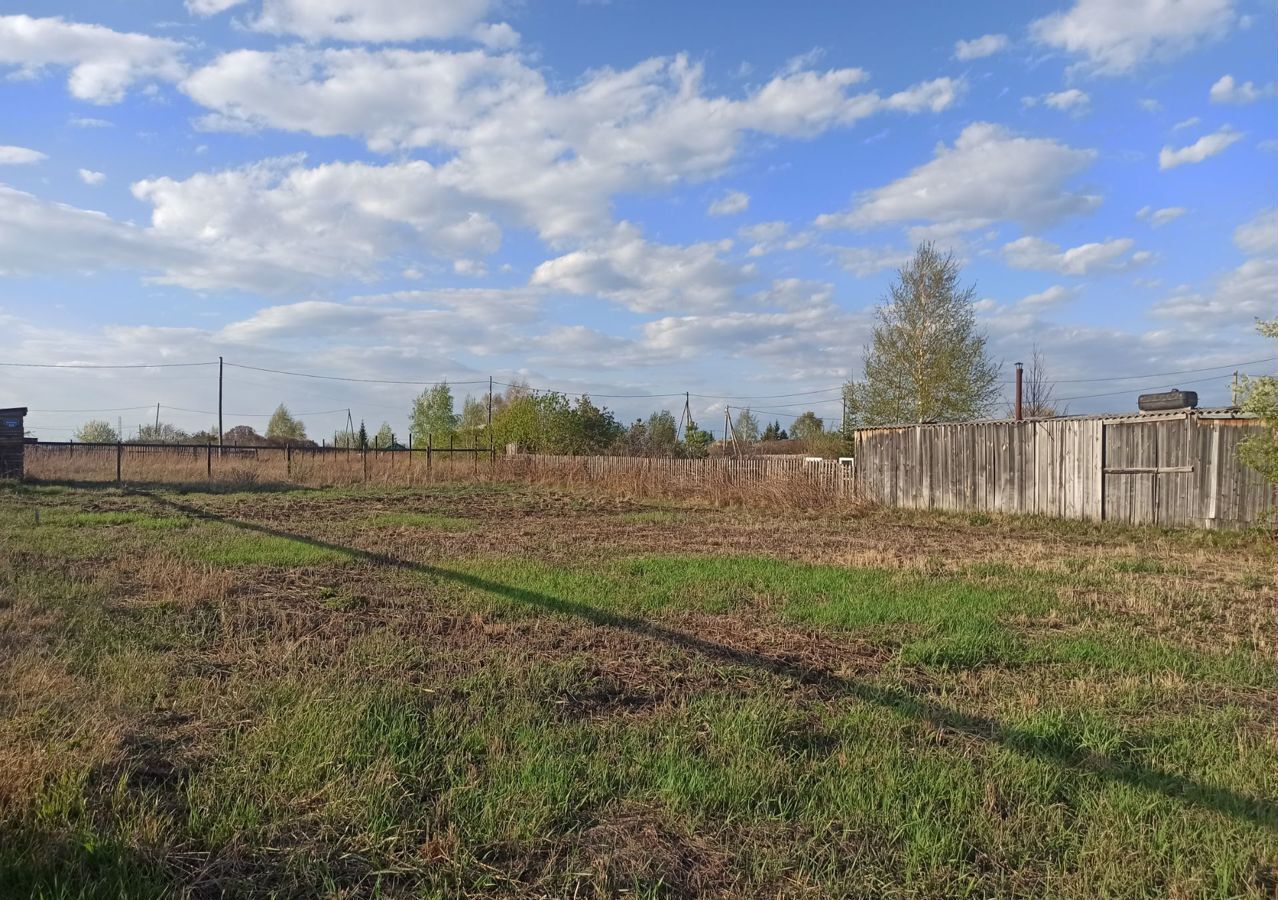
x=1173, y=399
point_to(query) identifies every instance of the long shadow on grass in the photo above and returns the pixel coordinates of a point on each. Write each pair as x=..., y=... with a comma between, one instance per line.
x=1178, y=787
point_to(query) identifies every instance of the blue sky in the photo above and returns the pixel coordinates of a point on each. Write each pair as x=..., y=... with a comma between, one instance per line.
x=622, y=198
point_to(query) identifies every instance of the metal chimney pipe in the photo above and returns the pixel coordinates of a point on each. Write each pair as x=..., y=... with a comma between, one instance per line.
x=1019, y=373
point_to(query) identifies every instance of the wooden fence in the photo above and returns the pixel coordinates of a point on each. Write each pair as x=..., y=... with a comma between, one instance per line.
x=828, y=475
x=180, y=463
x=1171, y=469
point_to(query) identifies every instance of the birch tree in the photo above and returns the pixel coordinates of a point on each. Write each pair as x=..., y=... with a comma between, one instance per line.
x=927, y=360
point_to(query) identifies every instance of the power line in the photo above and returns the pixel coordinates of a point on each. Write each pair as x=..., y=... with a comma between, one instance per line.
x=1254, y=362
x=95, y=366
x=1134, y=390
x=343, y=378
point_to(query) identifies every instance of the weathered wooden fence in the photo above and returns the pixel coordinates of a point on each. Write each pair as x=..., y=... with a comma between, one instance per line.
x=829, y=475
x=1177, y=468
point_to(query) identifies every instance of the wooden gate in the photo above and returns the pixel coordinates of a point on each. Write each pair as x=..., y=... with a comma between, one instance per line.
x=1149, y=472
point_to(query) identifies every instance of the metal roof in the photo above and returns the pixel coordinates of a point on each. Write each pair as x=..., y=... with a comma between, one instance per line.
x=1211, y=412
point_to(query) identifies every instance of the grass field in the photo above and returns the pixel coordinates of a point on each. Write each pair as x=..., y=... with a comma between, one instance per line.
x=489, y=689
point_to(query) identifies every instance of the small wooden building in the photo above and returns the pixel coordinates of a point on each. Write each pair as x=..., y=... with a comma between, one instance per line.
x=11, y=441
x=1163, y=468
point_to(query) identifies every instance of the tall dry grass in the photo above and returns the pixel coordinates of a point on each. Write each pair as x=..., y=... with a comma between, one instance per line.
x=721, y=485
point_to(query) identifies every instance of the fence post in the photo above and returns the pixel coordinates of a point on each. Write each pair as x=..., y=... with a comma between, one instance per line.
x=364, y=453
x=208, y=459
x=119, y=459
x=430, y=440
x=288, y=460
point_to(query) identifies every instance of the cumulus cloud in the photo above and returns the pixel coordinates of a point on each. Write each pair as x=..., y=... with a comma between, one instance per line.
x=370, y=20
x=90, y=177
x=1071, y=101
x=1243, y=294
x=989, y=175
x=646, y=277
x=1115, y=38
x=552, y=158
x=863, y=261
x=210, y=7
x=1160, y=217
x=1226, y=90
x=19, y=156
x=730, y=204
x=1260, y=235
x=276, y=223
x=978, y=48
x=1085, y=259
x=38, y=237
x=769, y=237
x=103, y=63
x=1056, y=295
x=1203, y=148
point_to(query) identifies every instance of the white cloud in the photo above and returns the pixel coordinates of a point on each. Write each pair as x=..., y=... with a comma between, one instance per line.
x=863, y=261
x=730, y=204
x=1072, y=100
x=275, y=224
x=769, y=237
x=1160, y=217
x=38, y=237
x=103, y=63
x=1187, y=123
x=551, y=159
x=1036, y=253
x=210, y=7
x=1056, y=295
x=646, y=277
x=1206, y=146
x=1113, y=38
x=989, y=175
x=1243, y=294
x=19, y=156
x=1260, y=235
x=90, y=177
x=89, y=122
x=1068, y=100
x=371, y=20
x=978, y=48
x=1226, y=90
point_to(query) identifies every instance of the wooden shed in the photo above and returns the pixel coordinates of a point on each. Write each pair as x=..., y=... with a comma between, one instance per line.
x=11, y=441
x=1166, y=468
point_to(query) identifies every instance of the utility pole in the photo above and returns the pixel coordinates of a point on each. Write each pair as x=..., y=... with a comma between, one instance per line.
x=1233, y=390
x=157, y=419
x=220, y=429
x=1019, y=373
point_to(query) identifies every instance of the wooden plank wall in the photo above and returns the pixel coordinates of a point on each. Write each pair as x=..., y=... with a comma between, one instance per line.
x=1064, y=468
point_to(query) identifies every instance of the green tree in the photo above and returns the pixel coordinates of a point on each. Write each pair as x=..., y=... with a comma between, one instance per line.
x=96, y=431
x=807, y=426
x=361, y=438
x=161, y=433
x=746, y=427
x=384, y=438
x=663, y=434
x=433, y=415
x=474, y=421
x=595, y=428
x=927, y=360
x=283, y=428
x=697, y=441
x=1259, y=396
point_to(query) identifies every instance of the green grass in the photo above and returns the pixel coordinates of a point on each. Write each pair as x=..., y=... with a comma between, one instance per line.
x=223, y=545
x=652, y=724
x=425, y=521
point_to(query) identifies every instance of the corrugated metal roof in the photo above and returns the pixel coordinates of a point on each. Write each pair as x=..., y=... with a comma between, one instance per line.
x=1213, y=412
